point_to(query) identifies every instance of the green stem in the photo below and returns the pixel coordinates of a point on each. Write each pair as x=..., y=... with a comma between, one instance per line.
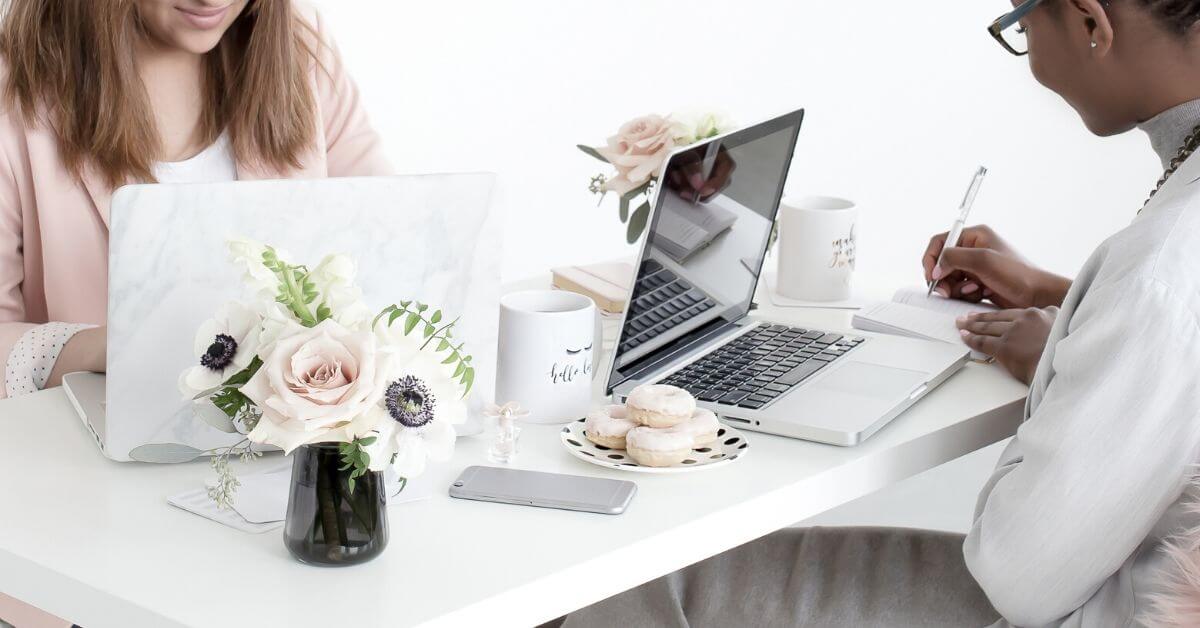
x=356, y=507
x=296, y=298
x=437, y=332
x=328, y=514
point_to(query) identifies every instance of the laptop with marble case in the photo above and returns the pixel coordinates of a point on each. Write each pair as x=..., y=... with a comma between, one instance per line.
x=431, y=238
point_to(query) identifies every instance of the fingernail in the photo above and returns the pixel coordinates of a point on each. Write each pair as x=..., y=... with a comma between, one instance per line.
x=942, y=291
x=969, y=288
x=937, y=272
x=964, y=333
x=696, y=180
x=961, y=320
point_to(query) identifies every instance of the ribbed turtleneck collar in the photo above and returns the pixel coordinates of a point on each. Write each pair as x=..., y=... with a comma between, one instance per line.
x=1168, y=129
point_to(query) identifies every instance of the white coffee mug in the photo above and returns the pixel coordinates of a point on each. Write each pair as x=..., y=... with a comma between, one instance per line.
x=548, y=349
x=816, y=246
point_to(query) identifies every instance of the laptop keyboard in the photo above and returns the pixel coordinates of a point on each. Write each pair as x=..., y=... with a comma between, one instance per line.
x=753, y=370
x=661, y=300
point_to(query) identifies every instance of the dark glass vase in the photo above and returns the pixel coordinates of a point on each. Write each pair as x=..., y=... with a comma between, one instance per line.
x=327, y=523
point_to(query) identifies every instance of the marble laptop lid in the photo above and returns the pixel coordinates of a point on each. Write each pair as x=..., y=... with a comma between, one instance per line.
x=430, y=238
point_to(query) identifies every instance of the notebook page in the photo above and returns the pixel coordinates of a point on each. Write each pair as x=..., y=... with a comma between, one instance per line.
x=937, y=303
x=914, y=321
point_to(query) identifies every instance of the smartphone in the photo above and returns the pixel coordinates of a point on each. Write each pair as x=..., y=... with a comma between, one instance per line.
x=544, y=490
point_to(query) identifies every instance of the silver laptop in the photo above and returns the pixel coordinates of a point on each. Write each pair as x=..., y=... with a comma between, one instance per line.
x=688, y=320
x=430, y=238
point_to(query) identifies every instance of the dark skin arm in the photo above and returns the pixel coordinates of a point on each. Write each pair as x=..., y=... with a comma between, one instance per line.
x=688, y=179
x=984, y=266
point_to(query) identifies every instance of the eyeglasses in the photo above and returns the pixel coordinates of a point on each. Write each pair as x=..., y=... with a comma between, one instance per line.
x=1008, y=30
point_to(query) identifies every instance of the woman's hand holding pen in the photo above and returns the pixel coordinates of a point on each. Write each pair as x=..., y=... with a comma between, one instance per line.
x=984, y=266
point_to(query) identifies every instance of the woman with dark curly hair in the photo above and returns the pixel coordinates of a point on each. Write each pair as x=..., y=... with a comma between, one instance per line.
x=1072, y=527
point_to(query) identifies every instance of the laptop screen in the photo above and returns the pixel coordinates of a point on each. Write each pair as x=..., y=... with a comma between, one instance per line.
x=715, y=206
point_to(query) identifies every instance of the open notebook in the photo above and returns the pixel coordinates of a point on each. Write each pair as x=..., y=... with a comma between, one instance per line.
x=684, y=229
x=911, y=313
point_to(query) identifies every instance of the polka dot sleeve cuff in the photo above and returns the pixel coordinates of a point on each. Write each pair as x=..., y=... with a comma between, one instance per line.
x=33, y=357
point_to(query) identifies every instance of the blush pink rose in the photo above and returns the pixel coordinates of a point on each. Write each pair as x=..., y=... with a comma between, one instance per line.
x=637, y=151
x=316, y=385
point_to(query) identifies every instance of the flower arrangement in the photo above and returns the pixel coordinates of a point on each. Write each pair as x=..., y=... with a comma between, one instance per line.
x=637, y=153
x=306, y=362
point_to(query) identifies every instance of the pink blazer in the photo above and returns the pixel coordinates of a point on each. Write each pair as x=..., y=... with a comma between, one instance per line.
x=54, y=228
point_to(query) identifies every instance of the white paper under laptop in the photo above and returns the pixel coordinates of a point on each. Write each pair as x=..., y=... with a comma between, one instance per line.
x=430, y=238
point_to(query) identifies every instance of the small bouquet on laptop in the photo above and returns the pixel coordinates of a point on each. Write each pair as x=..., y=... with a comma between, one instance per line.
x=305, y=362
x=638, y=151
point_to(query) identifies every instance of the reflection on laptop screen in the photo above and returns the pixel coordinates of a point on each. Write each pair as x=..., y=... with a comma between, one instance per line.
x=715, y=207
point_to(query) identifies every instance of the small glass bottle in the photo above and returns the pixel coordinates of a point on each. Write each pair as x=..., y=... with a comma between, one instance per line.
x=504, y=447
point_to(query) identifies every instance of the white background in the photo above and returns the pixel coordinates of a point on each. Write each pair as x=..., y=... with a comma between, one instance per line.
x=904, y=100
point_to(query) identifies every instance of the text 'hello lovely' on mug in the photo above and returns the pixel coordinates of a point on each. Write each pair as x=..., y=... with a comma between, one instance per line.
x=548, y=347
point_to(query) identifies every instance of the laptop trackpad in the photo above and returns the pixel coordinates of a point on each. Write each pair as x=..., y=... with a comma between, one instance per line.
x=862, y=379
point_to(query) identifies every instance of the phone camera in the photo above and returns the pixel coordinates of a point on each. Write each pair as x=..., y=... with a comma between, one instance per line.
x=458, y=484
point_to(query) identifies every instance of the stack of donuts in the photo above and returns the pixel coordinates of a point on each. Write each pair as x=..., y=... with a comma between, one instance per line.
x=658, y=426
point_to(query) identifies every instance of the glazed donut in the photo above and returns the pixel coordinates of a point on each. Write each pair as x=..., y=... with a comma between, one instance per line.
x=703, y=427
x=608, y=426
x=659, y=405
x=653, y=447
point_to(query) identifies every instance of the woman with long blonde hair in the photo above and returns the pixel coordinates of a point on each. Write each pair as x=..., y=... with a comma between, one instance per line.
x=100, y=94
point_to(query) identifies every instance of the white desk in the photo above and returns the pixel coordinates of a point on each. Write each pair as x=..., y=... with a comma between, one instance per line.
x=94, y=541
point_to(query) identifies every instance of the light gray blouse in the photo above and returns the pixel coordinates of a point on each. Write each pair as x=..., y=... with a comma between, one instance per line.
x=1069, y=529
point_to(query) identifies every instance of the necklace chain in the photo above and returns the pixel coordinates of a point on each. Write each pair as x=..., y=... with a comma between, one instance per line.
x=1190, y=144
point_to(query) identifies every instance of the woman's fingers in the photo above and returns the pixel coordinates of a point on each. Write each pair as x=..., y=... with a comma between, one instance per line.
x=984, y=328
x=929, y=260
x=998, y=315
x=989, y=345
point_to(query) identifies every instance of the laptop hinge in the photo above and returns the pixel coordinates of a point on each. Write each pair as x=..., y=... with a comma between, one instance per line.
x=669, y=356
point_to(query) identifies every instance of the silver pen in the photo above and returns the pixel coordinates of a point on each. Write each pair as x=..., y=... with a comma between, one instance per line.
x=964, y=210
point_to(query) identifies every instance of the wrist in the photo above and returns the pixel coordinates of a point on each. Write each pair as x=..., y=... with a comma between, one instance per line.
x=1050, y=290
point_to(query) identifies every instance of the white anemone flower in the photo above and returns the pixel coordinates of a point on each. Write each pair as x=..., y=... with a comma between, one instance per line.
x=414, y=422
x=224, y=345
x=247, y=256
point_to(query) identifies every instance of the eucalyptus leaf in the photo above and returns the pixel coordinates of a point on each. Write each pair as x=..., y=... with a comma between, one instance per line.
x=623, y=208
x=410, y=323
x=429, y=330
x=165, y=453
x=394, y=315
x=436, y=318
x=214, y=416
x=637, y=223
x=591, y=151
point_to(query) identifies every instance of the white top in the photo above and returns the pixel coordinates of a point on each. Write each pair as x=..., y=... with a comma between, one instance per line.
x=105, y=549
x=214, y=164
x=32, y=359
x=1069, y=529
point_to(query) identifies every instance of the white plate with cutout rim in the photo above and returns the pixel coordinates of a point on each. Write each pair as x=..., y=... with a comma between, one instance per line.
x=729, y=447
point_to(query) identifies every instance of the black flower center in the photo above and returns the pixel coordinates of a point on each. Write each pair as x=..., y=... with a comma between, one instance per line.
x=220, y=353
x=409, y=402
